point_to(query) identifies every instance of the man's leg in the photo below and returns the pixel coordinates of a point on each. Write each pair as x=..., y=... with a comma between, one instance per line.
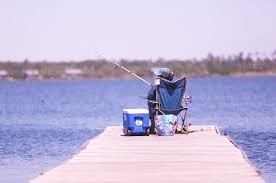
x=152, y=126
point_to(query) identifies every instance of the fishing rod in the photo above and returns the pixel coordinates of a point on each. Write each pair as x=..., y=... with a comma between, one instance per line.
x=116, y=63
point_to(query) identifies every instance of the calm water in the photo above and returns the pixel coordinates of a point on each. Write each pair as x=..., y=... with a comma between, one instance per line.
x=44, y=123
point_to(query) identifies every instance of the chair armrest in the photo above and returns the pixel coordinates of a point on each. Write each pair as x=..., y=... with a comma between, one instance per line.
x=152, y=101
x=188, y=99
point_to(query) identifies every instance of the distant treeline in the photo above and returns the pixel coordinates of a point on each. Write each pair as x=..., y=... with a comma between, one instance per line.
x=209, y=66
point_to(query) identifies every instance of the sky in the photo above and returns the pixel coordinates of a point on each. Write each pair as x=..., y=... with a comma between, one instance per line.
x=66, y=30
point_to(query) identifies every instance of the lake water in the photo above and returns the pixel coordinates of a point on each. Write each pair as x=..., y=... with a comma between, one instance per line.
x=43, y=123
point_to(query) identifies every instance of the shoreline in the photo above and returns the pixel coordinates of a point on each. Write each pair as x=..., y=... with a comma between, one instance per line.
x=103, y=69
x=235, y=75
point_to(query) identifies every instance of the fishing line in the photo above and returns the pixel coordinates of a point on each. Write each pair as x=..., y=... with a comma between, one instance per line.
x=125, y=69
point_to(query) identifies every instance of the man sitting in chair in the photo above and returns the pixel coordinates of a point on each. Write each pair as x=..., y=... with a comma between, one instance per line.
x=162, y=73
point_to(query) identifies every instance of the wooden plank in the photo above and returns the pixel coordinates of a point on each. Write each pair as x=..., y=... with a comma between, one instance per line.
x=201, y=156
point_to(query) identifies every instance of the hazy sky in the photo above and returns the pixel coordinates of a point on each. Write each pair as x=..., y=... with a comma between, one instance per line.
x=142, y=29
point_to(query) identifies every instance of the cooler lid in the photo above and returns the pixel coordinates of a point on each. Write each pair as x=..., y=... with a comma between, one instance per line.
x=136, y=111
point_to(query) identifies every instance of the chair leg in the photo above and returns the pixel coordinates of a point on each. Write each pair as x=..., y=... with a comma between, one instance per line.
x=184, y=128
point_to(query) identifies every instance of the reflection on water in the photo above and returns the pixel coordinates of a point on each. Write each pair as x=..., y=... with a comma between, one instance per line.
x=26, y=151
x=43, y=123
x=260, y=146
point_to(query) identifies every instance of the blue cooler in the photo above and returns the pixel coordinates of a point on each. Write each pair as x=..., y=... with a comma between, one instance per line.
x=136, y=122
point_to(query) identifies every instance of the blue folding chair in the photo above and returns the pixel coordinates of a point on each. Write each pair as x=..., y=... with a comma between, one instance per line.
x=171, y=99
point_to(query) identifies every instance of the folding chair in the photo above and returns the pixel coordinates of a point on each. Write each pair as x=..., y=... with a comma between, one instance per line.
x=171, y=99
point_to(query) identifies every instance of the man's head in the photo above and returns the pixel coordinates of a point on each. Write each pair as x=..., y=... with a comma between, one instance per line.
x=166, y=74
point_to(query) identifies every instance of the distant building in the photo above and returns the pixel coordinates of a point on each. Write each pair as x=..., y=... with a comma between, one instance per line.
x=31, y=74
x=72, y=73
x=4, y=75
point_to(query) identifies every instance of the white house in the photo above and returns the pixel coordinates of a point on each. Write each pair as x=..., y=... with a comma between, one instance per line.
x=4, y=74
x=72, y=73
x=31, y=74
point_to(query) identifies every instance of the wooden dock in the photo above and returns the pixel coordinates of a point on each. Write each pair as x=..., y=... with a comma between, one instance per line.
x=201, y=156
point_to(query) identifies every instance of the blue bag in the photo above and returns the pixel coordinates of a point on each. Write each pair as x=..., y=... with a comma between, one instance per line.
x=165, y=124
